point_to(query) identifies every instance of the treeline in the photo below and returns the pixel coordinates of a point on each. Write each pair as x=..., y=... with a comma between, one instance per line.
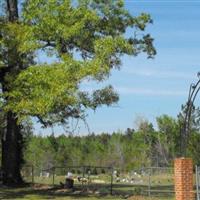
x=145, y=146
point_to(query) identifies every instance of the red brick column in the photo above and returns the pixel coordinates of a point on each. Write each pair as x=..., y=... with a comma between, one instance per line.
x=183, y=177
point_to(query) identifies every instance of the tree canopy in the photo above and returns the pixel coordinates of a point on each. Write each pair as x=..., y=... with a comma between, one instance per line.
x=78, y=40
x=86, y=38
x=125, y=150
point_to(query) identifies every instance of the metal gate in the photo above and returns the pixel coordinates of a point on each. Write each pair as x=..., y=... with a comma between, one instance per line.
x=198, y=182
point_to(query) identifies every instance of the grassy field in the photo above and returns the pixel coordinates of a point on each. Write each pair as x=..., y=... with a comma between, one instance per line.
x=160, y=184
x=43, y=193
x=98, y=188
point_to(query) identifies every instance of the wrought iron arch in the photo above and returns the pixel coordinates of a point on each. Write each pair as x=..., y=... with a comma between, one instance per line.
x=185, y=132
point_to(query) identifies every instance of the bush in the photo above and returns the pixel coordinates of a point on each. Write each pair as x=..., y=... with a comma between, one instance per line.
x=137, y=190
x=94, y=171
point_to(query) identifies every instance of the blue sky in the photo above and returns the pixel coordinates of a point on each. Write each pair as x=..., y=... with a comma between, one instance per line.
x=152, y=87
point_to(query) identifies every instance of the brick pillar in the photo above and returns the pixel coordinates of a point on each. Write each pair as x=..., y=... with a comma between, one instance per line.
x=183, y=177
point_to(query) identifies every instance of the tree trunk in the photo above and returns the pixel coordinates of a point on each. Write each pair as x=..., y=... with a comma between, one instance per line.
x=12, y=141
x=11, y=151
x=12, y=10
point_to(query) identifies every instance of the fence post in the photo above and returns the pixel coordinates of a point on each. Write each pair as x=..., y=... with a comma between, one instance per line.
x=83, y=175
x=32, y=171
x=53, y=175
x=83, y=172
x=149, y=183
x=111, y=182
x=88, y=175
x=197, y=182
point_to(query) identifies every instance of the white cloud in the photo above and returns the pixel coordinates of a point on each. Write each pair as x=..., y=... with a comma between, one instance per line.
x=155, y=73
x=150, y=92
x=124, y=90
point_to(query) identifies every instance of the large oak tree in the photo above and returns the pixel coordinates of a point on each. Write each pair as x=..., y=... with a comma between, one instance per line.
x=86, y=39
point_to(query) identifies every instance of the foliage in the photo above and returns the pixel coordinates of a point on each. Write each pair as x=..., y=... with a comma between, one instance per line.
x=85, y=40
x=125, y=150
x=169, y=134
x=80, y=40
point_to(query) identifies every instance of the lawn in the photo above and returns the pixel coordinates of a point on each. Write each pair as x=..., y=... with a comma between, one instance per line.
x=160, y=185
x=43, y=192
x=99, y=188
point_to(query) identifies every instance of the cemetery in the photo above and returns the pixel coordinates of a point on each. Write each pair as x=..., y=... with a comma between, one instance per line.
x=99, y=99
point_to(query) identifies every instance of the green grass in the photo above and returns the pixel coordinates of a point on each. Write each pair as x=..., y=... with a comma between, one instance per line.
x=43, y=193
x=161, y=189
x=161, y=186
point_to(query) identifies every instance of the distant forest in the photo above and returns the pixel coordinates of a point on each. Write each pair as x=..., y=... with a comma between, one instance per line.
x=126, y=150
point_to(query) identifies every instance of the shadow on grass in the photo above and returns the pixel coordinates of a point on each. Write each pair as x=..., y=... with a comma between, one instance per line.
x=46, y=193
x=99, y=191
x=153, y=191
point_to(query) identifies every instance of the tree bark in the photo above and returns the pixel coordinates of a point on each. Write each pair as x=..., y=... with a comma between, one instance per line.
x=12, y=141
x=12, y=10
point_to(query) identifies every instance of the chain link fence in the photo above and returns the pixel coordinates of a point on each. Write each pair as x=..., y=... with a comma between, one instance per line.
x=93, y=179
x=151, y=181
